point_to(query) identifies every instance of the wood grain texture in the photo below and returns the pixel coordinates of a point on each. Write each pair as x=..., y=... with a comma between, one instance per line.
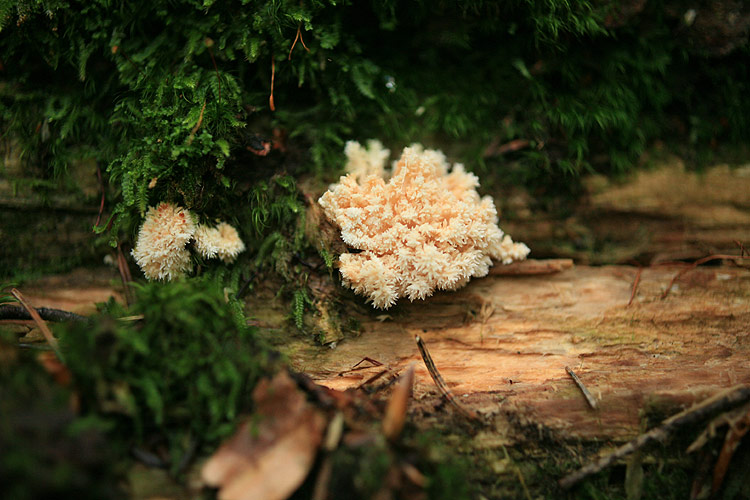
x=503, y=342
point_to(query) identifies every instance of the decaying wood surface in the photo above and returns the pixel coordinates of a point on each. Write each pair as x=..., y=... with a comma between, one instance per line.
x=503, y=342
x=78, y=291
x=662, y=213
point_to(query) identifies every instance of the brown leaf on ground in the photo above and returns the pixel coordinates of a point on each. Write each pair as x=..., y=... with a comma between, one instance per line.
x=269, y=458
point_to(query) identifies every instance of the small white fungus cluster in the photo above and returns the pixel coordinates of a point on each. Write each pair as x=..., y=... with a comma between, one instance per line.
x=364, y=161
x=221, y=241
x=423, y=229
x=161, y=248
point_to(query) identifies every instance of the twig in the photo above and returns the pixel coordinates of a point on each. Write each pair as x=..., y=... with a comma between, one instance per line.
x=51, y=340
x=373, y=378
x=735, y=433
x=724, y=400
x=496, y=150
x=742, y=248
x=438, y=379
x=519, y=474
x=34, y=347
x=330, y=443
x=532, y=267
x=698, y=263
x=216, y=68
x=188, y=455
x=636, y=281
x=101, y=203
x=373, y=363
x=273, y=75
x=117, y=50
x=591, y=400
x=395, y=412
x=12, y=311
x=246, y=284
x=294, y=43
x=125, y=276
x=324, y=396
x=191, y=137
x=147, y=458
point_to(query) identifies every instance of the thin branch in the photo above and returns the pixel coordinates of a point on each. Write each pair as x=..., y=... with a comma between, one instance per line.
x=720, y=402
x=12, y=311
x=494, y=149
x=589, y=398
x=101, y=203
x=294, y=43
x=191, y=137
x=51, y=340
x=742, y=248
x=438, y=379
x=216, y=68
x=373, y=379
x=117, y=50
x=358, y=367
x=636, y=281
x=125, y=276
x=519, y=474
x=698, y=263
x=395, y=412
x=732, y=440
x=531, y=267
x=273, y=75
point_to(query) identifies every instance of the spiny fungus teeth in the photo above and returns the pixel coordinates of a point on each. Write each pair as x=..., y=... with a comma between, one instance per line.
x=425, y=228
x=221, y=241
x=160, y=247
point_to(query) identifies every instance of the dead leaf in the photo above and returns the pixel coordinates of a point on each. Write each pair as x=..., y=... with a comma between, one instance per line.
x=269, y=457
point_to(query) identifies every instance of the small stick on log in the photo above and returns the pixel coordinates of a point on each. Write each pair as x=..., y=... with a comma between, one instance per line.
x=395, y=412
x=720, y=402
x=372, y=379
x=122, y=266
x=698, y=263
x=373, y=364
x=636, y=281
x=742, y=247
x=532, y=267
x=12, y=311
x=589, y=398
x=438, y=379
x=51, y=340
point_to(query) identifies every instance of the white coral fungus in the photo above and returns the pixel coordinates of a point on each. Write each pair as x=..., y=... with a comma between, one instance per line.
x=424, y=229
x=221, y=241
x=160, y=248
x=361, y=161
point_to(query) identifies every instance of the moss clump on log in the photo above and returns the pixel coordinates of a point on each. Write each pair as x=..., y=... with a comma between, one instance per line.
x=47, y=451
x=172, y=371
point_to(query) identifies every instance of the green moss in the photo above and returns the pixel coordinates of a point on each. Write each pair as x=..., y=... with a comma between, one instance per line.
x=174, y=369
x=178, y=92
x=47, y=452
